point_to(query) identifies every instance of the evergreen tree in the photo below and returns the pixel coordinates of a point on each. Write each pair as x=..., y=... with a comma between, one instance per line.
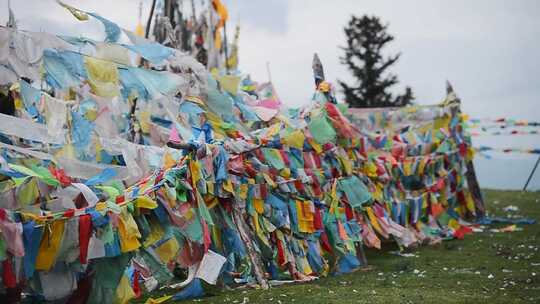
x=366, y=38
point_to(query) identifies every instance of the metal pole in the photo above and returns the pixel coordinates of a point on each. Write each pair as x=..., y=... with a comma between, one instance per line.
x=531, y=175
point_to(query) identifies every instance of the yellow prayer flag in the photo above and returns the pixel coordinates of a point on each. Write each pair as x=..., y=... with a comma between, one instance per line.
x=269, y=180
x=227, y=186
x=294, y=139
x=258, y=204
x=407, y=168
x=128, y=232
x=285, y=172
x=229, y=83
x=124, y=292
x=50, y=244
x=144, y=121
x=316, y=146
x=452, y=223
x=305, y=216
x=156, y=234
x=168, y=250
x=422, y=165
x=470, y=202
x=370, y=169
x=243, y=191
x=145, y=202
x=102, y=77
x=346, y=164
x=442, y=122
x=217, y=40
x=373, y=220
x=168, y=161
x=194, y=168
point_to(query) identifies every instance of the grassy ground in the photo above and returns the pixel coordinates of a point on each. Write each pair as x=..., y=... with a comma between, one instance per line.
x=486, y=267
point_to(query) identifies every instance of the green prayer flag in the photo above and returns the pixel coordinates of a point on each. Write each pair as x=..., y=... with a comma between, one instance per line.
x=3, y=249
x=112, y=192
x=45, y=175
x=357, y=193
x=321, y=130
x=274, y=158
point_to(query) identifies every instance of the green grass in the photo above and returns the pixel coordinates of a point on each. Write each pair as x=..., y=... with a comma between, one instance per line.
x=486, y=267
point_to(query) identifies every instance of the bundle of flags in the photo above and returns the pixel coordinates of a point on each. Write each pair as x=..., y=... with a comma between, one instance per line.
x=95, y=207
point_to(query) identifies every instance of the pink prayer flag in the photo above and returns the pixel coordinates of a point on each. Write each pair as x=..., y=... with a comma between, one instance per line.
x=173, y=136
x=270, y=103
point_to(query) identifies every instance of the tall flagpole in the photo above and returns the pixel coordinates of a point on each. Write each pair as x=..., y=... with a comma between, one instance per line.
x=225, y=46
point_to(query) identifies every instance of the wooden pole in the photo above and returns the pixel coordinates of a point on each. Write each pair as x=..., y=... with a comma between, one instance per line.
x=361, y=255
x=194, y=15
x=149, y=21
x=252, y=253
x=225, y=46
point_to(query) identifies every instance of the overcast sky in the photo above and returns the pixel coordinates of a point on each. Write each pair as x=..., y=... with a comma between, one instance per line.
x=488, y=49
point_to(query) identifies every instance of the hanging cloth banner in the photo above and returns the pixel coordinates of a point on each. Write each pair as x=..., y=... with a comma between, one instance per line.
x=513, y=132
x=72, y=167
x=504, y=121
x=507, y=150
x=29, y=130
x=35, y=154
x=85, y=170
x=55, y=115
